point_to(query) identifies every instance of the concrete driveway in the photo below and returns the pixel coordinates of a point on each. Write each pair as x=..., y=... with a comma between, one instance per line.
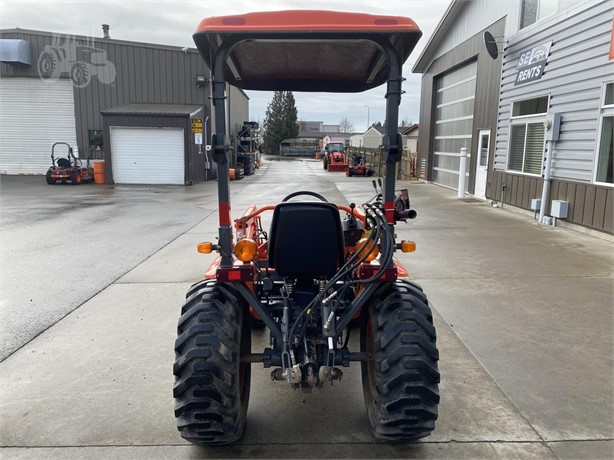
x=524, y=316
x=62, y=244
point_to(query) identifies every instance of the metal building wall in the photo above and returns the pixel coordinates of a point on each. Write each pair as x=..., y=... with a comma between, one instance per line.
x=486, y=97
x=574, y=75
x=145, y=73
x=576, y=70
x=477, y=15
x=238, y=109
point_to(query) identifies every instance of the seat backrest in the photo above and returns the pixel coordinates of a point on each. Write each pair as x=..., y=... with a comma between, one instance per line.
x=306, y=240
x=63, y=163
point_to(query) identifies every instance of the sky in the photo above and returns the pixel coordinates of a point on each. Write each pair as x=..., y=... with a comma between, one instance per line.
x=174, y=22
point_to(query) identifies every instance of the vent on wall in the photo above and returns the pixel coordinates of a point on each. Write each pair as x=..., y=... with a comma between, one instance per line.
x=422, y=168
x=15, y=51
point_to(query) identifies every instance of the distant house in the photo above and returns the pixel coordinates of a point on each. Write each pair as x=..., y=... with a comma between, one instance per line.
x=336, y=137
x=356, y=140
x=372, y=138
x=410, y=135
x=310, y=129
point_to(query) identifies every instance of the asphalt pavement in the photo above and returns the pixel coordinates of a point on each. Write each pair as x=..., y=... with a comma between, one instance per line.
x=524, y=315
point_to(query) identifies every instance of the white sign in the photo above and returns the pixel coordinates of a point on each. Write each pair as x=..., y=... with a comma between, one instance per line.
x=198, y=138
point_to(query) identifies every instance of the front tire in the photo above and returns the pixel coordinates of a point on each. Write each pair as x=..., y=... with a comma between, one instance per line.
x=400, y=383
x=211, y=385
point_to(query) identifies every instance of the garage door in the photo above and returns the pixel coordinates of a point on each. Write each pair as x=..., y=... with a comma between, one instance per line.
x=453, y=123
x=147, y=155
x=33, y=115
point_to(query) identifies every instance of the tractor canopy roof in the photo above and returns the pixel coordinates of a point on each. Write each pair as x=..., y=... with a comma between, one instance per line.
x=307, y=50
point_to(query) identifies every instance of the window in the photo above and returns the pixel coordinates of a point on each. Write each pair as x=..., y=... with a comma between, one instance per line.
x=535, y=106
x=534, y=10
x=526, y=149
x=604, y=165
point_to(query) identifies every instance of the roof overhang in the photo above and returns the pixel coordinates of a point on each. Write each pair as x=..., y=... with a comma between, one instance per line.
x=152, y=109
x=306, y=50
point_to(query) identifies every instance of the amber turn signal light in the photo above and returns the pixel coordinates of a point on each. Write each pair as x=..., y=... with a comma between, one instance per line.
x=368, y=247
x=407, y=246
x=246, y=250
x=206, y=248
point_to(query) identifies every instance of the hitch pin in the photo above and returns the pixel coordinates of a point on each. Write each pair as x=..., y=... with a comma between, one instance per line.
x=329, y=320
x=330, y=297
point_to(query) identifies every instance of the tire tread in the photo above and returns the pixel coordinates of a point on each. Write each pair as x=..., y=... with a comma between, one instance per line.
x=207, y=389
x=403, y=406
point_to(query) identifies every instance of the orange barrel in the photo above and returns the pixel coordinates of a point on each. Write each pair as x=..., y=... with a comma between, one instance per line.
x=231, y=174
x=318, y=155
x=99, y=172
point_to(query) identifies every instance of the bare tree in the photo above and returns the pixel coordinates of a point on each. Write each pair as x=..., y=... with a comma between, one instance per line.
x=346, y=126
x=406, y=123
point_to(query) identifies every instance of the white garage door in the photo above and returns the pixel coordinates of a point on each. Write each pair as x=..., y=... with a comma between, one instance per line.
x=33, y=115
x=453, y=123
x=147, y=155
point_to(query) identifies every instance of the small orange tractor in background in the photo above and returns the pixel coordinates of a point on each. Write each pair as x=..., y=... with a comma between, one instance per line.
x=320, y=265
x=334, y=157
x=358, y=167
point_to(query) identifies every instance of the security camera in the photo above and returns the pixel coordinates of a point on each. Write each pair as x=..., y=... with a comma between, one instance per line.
x=185, y=50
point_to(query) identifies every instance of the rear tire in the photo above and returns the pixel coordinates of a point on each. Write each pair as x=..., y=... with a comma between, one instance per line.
x=75, y=178
x=50, y=180
x=211, y=386
x=400, y=383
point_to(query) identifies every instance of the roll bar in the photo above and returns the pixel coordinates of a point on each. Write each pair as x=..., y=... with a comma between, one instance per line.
x=296, y=51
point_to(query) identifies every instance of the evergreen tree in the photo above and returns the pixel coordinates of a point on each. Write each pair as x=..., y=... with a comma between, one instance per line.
x=290, y=116
x=280, y=122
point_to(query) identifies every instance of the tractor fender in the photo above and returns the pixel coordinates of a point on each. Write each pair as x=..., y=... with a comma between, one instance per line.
x=402, y=272
x=211, y=271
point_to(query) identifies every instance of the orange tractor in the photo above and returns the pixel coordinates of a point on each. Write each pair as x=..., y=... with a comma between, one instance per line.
x=320, y=267
x=334, y=157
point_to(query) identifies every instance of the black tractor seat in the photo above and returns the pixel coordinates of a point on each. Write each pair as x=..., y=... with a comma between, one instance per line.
x=306, y=240
x=63, y=163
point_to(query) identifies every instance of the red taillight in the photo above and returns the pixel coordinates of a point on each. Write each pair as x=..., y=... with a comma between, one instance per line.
x=369, y=270
x=235, y=273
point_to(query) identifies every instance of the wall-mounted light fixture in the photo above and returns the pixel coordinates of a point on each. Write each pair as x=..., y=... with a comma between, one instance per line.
x=200, y=81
